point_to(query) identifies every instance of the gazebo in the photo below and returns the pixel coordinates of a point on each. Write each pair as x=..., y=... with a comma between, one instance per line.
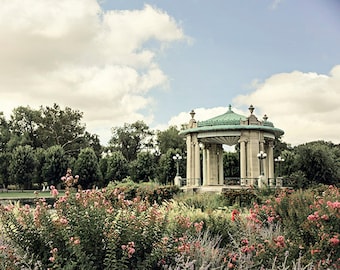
x=256, y=139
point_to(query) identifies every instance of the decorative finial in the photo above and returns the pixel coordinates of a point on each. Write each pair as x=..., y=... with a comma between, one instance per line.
x=192, y=113
x=251, y=109
x=265, y=117
x=229, y=107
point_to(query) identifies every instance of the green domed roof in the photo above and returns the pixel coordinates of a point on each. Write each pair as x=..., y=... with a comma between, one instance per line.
x=228, y=118
x=232, y=122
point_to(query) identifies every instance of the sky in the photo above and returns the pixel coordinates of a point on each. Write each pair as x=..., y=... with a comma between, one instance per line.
x=119, y=61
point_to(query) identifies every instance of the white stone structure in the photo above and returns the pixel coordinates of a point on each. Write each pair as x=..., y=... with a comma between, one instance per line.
x=206, y=138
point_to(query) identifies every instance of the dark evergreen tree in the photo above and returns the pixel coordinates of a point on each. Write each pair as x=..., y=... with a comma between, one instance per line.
x=87, y=167
x=22, y=166
x=55, y=166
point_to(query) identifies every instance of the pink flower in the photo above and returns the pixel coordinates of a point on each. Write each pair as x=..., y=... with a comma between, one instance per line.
x=270, y=219
x=313, y=251
x=245, y=241
x=325, y=217
x=130, y=248
x=280, y=241
x=54, y=191
x=75, y=240
x=334, y=241
x=198, y=226
x=121, y=196
x=63, y=220
x=334, y=205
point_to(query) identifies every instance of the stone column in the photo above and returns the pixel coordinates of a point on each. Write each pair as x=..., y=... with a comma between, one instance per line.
x=243, y=162
x=208, y=173
x=220, y=166
x=197, y=166
x=189, y=160
x=270, y=161
x=204, y=150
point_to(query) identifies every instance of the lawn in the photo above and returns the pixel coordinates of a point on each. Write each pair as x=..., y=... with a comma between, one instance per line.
x=25, y=194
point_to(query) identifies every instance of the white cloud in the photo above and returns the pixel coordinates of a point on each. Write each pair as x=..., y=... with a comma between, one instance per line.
x=275, y=4
x=72, y=53
x=305, y=105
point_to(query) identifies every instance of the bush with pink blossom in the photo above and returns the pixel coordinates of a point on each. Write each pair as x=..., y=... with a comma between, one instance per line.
x=97, y=229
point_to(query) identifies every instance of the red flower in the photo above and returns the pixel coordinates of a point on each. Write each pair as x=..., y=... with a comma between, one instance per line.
x=234, y=214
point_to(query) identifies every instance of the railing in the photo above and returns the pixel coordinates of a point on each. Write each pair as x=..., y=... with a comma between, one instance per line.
x=236, y=181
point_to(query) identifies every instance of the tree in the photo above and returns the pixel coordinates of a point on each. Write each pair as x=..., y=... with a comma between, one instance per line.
x=117, y=167
x=92, y=141
x=40, y=154
x=170, y=139
x=4, y=133
x=22, y=166
x=24, y=127
x=280, y=146
x=318, y=161
x=56, y=163
x=87, y=167
x=5, y=160
x=231, y=164
x=143, y=168
x=131, y=139
x=62, y=127
x=167, y=166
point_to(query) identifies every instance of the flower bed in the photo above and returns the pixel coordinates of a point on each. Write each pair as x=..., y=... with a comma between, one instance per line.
x=97, y=229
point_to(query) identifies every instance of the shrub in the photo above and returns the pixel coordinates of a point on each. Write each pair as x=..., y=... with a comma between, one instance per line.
x=151, y=191
x=309, y=224
x=241, y=198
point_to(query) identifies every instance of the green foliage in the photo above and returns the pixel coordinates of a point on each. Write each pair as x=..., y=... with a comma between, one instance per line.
x=87, y=166
x=150, y=191
x=318, y=161
x=231, y=164
x=4, y=133
x=5, y=160
x=312, y=220
x=170, y=139
x=294, y=230
x=203, y=201
x=40, y=154
x=24, y=125
x=309, y=225
x=22, y=166
x=240, y=197
x=297, y=180
x=143, y=168
x=55, y=164
x=167, y=166
x=131, y=139
x=117, y=167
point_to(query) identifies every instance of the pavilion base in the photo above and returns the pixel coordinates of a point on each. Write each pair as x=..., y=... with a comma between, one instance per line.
x=219, y=189
x=213, y=189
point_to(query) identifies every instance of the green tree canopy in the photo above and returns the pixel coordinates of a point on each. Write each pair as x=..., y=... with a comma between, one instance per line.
x=143, y=168
x=4, y=133
x=24, y=126
x=22, y=166
x=170, y=139
x=319, y=161
x=87, y=167
x=117, y=167
x=56, y=163
x=231, y=164
x=167, y=168
x=131, y=139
